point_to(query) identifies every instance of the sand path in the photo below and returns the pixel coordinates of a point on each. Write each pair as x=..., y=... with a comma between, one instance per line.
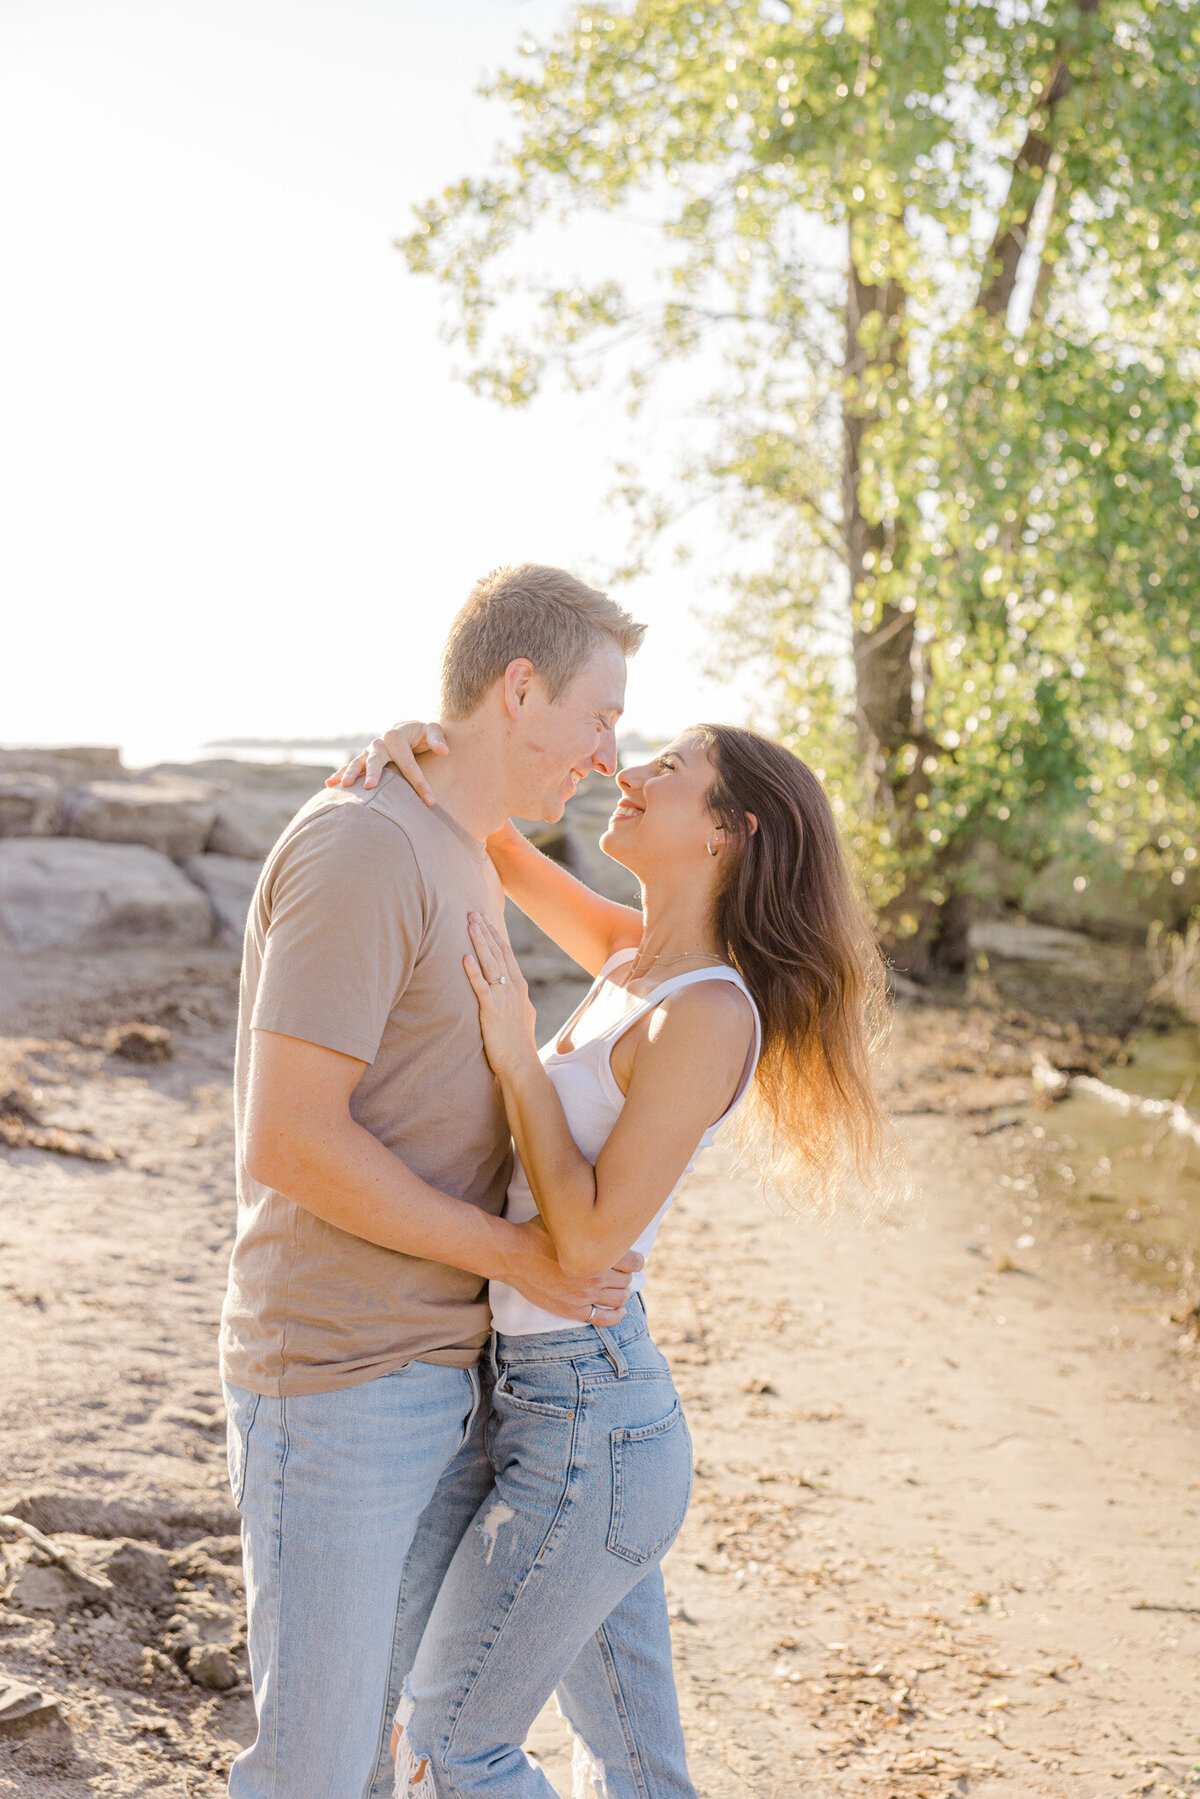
x=932, y=1497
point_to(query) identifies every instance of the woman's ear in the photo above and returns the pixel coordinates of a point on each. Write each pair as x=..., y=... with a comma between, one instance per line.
x=751, y=823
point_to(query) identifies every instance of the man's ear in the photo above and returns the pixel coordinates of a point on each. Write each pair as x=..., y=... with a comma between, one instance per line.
x=518, y=679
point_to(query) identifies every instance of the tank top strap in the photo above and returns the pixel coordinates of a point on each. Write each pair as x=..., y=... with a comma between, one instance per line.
x=613, y=1033
x=693, y=977
x=648, y=1001
x=614, y=962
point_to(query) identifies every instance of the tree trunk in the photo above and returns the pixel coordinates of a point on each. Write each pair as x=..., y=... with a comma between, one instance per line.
x=940, y=942
x=883, y=650
x=884, y=636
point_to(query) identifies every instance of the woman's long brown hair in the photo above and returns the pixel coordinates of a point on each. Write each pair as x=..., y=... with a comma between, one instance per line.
x=791, y=923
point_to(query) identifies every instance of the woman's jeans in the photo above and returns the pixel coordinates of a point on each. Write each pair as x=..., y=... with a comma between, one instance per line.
x=555, y=1585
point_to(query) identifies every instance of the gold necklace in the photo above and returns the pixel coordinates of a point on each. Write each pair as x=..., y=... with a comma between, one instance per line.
x=636, y=973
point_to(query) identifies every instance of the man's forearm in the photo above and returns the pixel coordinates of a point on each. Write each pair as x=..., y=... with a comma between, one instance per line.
x=348, y=1178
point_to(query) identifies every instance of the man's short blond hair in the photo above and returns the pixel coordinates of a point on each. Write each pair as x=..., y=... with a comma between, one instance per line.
x=529, y=611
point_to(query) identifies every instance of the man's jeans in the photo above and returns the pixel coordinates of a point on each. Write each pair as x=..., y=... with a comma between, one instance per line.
x=333, y=1489
x=330, y=1487
x=555, y=1585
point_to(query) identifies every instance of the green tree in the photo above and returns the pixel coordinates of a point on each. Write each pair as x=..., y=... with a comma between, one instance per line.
x=951, y=254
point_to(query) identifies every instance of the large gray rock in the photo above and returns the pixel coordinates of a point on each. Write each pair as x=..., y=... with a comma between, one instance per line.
x=229, y=882
x=173, y=815
x=29, y=805
x=62, y=893
x=77, y=762
x=256, y=799
x=249, y=819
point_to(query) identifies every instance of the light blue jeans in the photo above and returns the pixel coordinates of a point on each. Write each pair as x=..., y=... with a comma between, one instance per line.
x=556, y=1584
x=335, y=1490
x=330, y=1487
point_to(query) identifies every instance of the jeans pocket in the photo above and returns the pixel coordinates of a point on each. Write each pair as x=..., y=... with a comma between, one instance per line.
x=549, y=1389
x=652, y=1484
x=240, y=1408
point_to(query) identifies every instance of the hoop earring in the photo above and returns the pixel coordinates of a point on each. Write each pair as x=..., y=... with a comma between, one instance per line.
x=708, y=846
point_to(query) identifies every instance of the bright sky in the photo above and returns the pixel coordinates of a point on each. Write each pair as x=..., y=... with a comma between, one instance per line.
x=244, y=494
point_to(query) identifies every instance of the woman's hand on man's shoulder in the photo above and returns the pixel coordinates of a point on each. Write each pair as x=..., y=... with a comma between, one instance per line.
x=401, y=745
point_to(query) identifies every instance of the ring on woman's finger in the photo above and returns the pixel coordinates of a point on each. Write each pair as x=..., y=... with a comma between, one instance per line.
x=501, y=980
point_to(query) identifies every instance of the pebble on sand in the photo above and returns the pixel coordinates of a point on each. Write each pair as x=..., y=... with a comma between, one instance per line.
x=211, y=1665
x=25, y=1709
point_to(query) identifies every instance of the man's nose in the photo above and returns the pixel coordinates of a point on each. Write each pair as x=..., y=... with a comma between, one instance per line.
x=605, y=758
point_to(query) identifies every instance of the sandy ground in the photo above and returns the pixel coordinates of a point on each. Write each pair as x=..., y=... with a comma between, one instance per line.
x=944, y=1533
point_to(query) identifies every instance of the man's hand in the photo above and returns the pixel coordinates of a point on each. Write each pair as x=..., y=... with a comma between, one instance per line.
x=536, y=1274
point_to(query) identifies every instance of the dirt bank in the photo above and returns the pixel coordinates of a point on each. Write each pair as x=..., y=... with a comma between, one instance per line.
x=944, y=1534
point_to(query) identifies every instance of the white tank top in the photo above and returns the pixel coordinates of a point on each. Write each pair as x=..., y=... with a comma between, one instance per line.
x=592, y=1101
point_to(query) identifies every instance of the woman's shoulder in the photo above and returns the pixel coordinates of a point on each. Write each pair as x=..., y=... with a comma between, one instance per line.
x=716, y=1004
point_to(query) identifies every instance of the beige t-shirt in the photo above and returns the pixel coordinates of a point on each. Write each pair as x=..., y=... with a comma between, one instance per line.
x=355, y=941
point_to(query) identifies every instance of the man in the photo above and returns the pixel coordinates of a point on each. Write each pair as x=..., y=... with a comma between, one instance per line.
x=373, y=1162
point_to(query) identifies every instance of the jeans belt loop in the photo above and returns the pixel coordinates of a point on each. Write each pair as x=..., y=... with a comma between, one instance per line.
x=492, y=1358
x=612, y=1350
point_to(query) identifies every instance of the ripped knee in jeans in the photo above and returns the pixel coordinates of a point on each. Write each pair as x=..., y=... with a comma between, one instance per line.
x=414, y=1778
x=588, y=1779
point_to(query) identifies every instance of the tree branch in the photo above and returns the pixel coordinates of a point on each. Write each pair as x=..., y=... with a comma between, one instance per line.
x=1028, y=171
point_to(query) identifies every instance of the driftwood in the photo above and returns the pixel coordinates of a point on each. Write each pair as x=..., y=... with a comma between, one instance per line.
x=21, y=1127
x=97, y=1584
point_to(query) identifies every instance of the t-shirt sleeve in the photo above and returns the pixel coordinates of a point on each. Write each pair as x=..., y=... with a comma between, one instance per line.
x=346, y=913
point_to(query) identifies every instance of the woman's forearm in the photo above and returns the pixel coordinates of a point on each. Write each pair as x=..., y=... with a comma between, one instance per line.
x=561, y=1179
x=588, y=927
x=508, y=849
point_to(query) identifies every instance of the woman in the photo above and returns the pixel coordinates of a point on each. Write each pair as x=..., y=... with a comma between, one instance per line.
x=748, y=973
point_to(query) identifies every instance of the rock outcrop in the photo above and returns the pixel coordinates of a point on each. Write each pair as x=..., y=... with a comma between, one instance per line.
x=229, y=882
x=65, y=762
x=30, y=805
x=64, y=893
x=171, y=814
x=249, y=821
x=94, y=857
x=254, y=800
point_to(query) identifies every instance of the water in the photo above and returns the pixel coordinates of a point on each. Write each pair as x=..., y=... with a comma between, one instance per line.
x=1133, y=1180
x=321, y=753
